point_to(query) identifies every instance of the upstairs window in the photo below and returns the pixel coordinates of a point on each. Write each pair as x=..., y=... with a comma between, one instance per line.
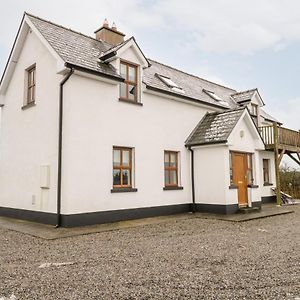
x=30, y=94
x=254, y=112
x=129, y=88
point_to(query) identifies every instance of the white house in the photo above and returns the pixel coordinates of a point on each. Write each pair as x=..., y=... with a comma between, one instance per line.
x=92, y=131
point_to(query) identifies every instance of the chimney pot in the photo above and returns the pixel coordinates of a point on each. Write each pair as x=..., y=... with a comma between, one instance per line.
x=114, y=26
x=105, y=23
x=109, y=35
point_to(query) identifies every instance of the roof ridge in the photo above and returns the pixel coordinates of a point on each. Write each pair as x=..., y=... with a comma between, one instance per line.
x=198, y=77
x=69, y=29
x=242, y=92
x=227, y=111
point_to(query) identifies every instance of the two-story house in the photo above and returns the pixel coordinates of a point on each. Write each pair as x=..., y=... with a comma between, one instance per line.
x=92, y=131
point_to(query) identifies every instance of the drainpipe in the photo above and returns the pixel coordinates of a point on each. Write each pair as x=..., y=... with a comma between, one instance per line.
x=60, y=131
x=193, y=180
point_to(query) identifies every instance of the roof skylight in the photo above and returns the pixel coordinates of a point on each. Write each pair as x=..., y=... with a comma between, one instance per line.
x=178, y=90
x=216, y=97
x=168, y=81
x=213, y=95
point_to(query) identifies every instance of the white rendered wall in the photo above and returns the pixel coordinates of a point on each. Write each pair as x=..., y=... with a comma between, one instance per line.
x=95, y=120
x=211, y=178
x=266, y=190
x=29, y=137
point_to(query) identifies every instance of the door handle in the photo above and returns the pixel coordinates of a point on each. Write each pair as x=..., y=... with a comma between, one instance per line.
x=240, y=182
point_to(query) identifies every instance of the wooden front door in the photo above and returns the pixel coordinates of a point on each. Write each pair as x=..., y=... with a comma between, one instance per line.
x=239, y=168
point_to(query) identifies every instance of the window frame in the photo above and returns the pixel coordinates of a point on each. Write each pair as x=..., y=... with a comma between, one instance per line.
x=266, y=171
x=121, y=167
x=250, y=181
x=30, y=96
x=169, y=168
x=254, y=112
x=128, y=82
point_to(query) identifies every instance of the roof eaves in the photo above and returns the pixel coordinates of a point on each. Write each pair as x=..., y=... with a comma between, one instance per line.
x=12, y=49
x=255, y=126
x=207, y=143
x=93, y=72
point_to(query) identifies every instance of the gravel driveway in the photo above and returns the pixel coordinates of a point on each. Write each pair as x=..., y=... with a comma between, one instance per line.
x=185, y=259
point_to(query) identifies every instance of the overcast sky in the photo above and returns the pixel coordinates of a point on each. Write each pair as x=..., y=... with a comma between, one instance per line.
x=241, y=44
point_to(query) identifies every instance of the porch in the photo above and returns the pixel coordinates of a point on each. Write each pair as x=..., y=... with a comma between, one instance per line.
x=282, y=141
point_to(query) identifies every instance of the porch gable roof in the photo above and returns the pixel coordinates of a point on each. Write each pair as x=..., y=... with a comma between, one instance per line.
x=214, y=128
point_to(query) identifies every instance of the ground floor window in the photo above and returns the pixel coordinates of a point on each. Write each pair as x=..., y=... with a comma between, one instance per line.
x=171, y=168
x=122, y=167
x=266, y=170
x=250, y=177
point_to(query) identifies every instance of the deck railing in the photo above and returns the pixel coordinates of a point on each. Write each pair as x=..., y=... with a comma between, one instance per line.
x=286, y=136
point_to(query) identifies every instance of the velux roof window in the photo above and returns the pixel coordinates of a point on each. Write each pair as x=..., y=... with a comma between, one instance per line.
x=216, y=97
x=170, y=83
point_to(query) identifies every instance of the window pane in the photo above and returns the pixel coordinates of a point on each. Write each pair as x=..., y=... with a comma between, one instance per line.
x=131, y=74
x=249, y=177
x=249, y=161
x=116, y=177
x=231, y=176
x=173, y=159
x=123, y=90
x=167, y=176
x=126, y=158
x=126, y=177
x=33, y=93
x=167, y=162
x=132, y=92
x=173, y=177
x=117, y=157
x=123, y=70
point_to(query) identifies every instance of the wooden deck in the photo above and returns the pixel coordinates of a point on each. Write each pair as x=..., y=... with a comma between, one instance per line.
x=286, y=138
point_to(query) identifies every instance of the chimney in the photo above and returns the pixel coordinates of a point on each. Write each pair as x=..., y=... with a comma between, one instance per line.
x=109, y=35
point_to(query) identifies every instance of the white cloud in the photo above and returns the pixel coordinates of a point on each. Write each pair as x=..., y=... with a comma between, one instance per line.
x=237, y=26
x=288, y=112
x=217, y=26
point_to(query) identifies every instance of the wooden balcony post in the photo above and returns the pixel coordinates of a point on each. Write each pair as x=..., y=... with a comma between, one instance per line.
x=277, y=163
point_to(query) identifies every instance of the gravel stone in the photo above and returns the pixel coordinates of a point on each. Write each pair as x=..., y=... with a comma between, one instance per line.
x=180, y=259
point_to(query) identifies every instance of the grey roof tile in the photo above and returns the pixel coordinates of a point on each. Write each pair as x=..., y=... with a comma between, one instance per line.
x=192, y=86
x=243, y=96
x=214, y=127
x=84, y=51
x=74, y=47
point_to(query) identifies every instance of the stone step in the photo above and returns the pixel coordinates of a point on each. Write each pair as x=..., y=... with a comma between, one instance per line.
x=247, y=210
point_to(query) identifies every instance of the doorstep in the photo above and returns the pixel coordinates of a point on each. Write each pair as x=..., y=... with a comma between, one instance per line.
x=267, y=210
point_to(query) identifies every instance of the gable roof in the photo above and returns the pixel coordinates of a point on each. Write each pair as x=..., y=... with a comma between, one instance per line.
x=113, y=51
x=73, y=47
x=83, y=52
x=214, y=128
x=245, y=96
